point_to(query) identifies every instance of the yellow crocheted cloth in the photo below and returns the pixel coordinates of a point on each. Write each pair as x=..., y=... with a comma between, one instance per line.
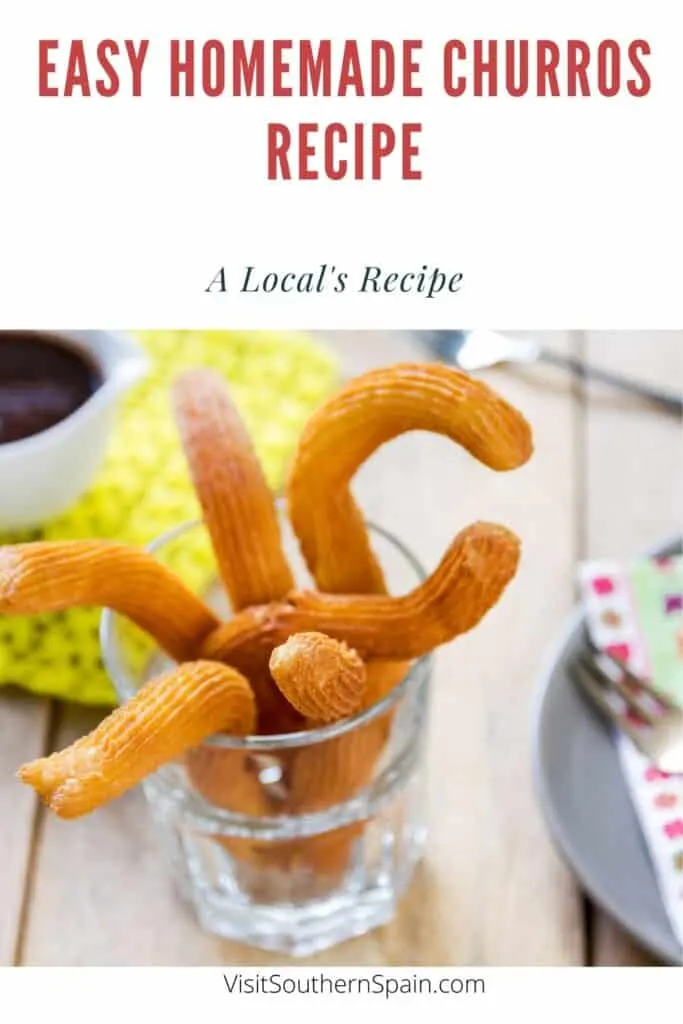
x=144, y=489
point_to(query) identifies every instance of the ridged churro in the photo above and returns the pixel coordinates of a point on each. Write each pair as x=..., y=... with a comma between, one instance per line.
x=53, y=576
x=471, y=577
x=239, y=514
x=169, y=715
x=332, y=771
x=332, y=532
x=348, y=429
x=275, y=714
x=289, y=659
x=467, y=583
x=236, y=500
x=322, y=678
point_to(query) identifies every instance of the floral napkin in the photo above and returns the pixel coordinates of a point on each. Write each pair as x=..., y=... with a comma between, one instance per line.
x=634, y=611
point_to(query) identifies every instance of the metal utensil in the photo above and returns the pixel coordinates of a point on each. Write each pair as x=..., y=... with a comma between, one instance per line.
x=652, y=722
x=475, y=350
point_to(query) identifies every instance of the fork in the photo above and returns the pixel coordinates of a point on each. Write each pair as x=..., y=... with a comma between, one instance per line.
x=653, y=723
x=478, y=349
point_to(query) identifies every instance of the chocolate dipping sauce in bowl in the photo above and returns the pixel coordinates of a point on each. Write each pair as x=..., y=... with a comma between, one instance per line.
x=59, y=391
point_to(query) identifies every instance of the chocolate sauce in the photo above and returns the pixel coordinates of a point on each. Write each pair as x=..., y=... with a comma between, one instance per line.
x=43, y=380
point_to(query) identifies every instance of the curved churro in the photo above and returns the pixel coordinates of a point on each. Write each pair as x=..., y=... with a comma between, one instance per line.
x=52, y=576
x=168, y=716
x=365, y=414
x=326, y=855
x=332, y=771
x=321, y=677
x=237, y=503
x=231, y=779
x=275, y=714
x=328, y=682
x=234, y=781
x=468, y=581
x=382, y=677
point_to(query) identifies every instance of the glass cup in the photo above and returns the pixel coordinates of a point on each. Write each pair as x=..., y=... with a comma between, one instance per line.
x=295, y=841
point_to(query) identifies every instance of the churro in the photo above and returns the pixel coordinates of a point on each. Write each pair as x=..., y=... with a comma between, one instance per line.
x=467, y=583
x=321, y=677
x=347, y=430
x=239, y=514
x=382, y=677
x=232, y=779
x=52, y=576
x=239, y=511
x=169, y=715
x=227, y=778
x=333, y=770
x=335, y=542
x=289, y=659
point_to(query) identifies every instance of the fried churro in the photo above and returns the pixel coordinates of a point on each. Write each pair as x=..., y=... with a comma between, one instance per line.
x=50, y=576
x=289, y=659
x=228, y=779
x=328, y=681
x=169, y=715
x=321, y=677
x=471, y=577
x=467, y=583
x=239, y=514
x=325, y=855
x=237, y=503
x=382, y=677
x=232, y=780
x=333, y=770
x=347, y=430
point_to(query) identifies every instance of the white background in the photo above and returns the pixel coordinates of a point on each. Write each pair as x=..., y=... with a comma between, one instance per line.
x=179, y=996
x=560, y=212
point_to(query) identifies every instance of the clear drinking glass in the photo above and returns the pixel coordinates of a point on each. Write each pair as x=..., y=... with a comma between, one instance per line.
x=290, y=842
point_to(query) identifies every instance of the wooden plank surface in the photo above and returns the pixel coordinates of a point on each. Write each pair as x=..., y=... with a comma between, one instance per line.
x=491, y=890
x=23, y=732
x=633, y=495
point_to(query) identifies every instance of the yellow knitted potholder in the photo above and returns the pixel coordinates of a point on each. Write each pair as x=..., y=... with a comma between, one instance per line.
x=144, y=488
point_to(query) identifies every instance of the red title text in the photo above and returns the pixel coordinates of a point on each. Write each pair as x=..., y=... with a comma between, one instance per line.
x=375, y=70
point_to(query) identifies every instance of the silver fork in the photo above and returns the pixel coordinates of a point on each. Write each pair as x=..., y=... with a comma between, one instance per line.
x=478, y=349
x=649, y=718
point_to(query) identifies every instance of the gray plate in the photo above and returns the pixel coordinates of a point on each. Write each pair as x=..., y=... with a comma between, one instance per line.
x=587, y=806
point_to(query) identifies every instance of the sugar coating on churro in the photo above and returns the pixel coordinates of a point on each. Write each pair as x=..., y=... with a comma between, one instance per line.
x=323, y=678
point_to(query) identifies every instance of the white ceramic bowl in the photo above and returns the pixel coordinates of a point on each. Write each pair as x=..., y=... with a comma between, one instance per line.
x=43, y=475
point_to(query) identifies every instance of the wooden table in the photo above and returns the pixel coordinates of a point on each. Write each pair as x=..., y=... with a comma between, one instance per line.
x=605, y=480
